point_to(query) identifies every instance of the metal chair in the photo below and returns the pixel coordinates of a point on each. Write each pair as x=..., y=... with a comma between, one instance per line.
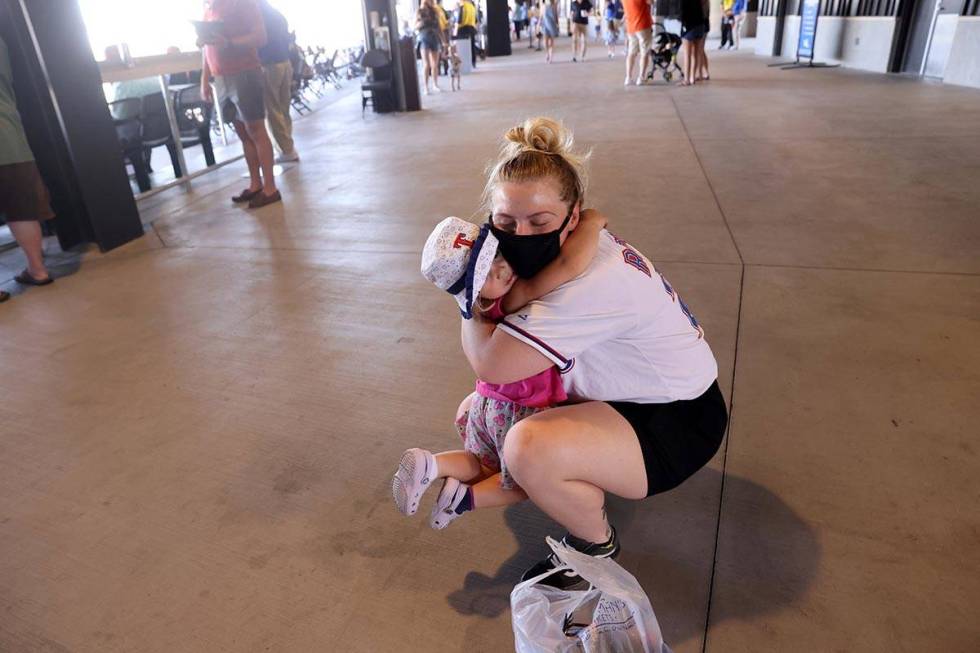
x=156, y=128
x=129, y=132
x=379, y=82
x=194, y=121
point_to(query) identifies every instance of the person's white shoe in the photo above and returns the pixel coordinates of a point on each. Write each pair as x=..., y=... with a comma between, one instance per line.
x=436, y=89
x=444, y=512
x=288, y=157
x=627, y=82
x=416, y=471
x=425, y=91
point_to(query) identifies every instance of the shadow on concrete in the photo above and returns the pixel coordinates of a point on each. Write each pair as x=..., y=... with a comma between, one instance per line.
x=669, y=550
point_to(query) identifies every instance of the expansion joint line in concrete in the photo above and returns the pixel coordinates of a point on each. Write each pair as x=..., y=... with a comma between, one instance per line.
x=153, y=226
x=731, y=398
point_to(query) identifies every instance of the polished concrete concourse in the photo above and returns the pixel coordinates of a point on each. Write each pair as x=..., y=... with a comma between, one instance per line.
x=199, y=429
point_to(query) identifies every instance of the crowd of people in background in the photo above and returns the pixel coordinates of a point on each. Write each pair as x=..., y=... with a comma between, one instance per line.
x=628, y=24
x=732, y=18
x=631, y=23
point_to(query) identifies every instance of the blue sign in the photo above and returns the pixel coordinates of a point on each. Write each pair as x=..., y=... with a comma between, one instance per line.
x=808, y=29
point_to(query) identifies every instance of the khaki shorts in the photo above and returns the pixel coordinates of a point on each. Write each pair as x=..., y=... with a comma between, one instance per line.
x=641, y=42
x=241, y=96
x=579, y=28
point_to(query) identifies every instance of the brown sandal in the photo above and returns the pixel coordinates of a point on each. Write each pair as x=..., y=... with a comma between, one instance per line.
x=245, y=196
x=4, y=296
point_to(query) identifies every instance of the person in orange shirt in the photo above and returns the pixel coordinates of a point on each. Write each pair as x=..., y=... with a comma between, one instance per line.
x=639, y=38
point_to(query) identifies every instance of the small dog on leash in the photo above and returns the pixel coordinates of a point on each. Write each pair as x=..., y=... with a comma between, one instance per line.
x=454, y=66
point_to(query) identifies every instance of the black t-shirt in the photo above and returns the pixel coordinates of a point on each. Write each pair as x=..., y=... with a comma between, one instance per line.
x=578, y=6
x=692, y=14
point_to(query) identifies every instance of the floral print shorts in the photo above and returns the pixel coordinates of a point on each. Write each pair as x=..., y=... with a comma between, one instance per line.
x=483, y=429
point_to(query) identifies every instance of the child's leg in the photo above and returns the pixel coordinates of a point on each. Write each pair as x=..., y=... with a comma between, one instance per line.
x=461, y=465
x=457, y=498
x=488, y=493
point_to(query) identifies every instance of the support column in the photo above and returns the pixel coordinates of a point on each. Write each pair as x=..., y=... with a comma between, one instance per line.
x=59, y=95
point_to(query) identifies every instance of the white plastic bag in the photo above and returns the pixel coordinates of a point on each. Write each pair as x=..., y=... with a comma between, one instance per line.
x=612, y=616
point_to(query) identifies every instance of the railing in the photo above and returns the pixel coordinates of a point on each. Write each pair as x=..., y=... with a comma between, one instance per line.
x=846, y=8
x=971, y=8
x=877, y=8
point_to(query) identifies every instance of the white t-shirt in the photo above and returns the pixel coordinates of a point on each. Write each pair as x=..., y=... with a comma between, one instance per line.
x=619, y=332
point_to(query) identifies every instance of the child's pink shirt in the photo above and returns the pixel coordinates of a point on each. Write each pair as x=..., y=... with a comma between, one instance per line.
x=539, y=391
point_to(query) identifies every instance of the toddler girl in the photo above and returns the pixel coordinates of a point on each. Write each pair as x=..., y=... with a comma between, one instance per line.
x=462, y=259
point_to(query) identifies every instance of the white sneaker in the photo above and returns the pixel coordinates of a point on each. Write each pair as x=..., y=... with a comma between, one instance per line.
x=288, y=157
x=627, y=82
x=416, y=471
x=436, y=89
x=444, y=512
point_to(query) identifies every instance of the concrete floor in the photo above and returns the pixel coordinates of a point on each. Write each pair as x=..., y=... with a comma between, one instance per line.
x=198, y=430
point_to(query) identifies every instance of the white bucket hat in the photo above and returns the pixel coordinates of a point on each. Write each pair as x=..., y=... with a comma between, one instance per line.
x=457, y=258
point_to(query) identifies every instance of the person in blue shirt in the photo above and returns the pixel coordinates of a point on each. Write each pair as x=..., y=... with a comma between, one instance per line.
x=613, y=16
x=738, y=9
x=520, y=17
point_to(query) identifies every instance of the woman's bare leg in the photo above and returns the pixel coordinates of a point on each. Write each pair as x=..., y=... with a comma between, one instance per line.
x=434, y=66
x=703, y=58
x=689, y=60
x=28, y=236
x=566, y=458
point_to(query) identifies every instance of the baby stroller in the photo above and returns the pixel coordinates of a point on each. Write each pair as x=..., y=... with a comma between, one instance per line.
x=664, y=54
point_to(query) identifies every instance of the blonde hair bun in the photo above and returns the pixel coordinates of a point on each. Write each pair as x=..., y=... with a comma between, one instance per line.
x=543, y=135
x=537, y=148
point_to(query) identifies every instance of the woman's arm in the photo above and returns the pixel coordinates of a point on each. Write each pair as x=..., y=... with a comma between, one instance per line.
x=576, y=254
x=497, y=357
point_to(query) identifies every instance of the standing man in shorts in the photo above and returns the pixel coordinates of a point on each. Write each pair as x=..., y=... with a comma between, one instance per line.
x=231, y=55
x=639, y=38
x=23, y=195
x=278, y=71
x=580, y=26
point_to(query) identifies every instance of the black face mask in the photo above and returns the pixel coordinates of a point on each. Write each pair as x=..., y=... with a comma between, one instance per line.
x=528, y=255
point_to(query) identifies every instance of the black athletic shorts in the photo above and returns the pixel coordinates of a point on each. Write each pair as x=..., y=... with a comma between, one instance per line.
x=677, y=439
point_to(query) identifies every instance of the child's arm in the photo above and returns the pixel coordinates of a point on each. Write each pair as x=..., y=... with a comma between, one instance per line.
x=578, y=251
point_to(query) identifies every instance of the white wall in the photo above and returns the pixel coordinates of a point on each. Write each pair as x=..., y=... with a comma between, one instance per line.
x=942, y=43
x=765, y=31
x=963, y=65
x=856, y=42
x=791, y=34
